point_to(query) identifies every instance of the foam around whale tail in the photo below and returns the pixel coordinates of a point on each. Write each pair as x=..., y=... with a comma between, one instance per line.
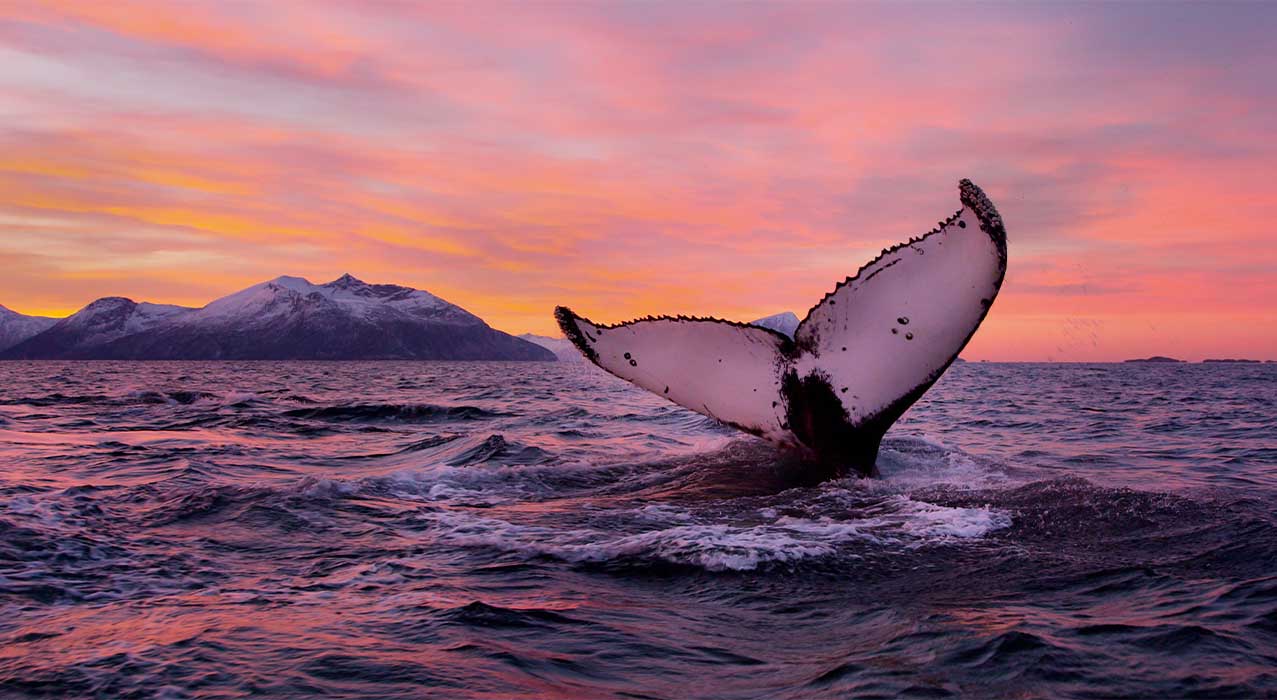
x=866, y=352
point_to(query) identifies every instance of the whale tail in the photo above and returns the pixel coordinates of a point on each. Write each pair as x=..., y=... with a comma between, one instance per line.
x=864, y=353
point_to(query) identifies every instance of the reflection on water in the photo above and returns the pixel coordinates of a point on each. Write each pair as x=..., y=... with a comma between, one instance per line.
x=545, y=530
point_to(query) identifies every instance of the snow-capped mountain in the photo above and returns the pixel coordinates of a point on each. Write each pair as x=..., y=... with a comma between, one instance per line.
x=785, y=322
x=285, y=318
x=561, y=347
x=16, y=327
x=94, y=326
x=264, y=303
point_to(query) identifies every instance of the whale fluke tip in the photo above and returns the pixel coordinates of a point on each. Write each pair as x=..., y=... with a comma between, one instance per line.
x=568, y=324
x=990, y=220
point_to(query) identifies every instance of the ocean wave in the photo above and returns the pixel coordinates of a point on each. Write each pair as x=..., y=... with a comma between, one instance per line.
x=168, y=397
x=481, y=614
x=55, y=399
x=488, y=484
x=408, y=413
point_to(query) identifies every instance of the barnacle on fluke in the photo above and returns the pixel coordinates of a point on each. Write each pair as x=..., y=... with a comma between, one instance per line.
x=718, y=367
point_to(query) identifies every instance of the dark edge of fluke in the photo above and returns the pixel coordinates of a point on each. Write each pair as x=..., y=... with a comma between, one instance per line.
x=990, y=220
x=567, y=324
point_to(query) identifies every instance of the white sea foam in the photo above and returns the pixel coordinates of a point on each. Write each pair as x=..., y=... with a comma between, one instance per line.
x=725, y=546
x=920, y=462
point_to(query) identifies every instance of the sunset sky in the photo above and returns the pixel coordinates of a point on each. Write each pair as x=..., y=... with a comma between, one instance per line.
x=720, y=159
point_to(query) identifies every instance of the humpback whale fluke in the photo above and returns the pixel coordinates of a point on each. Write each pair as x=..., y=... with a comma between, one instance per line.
x=863, y=354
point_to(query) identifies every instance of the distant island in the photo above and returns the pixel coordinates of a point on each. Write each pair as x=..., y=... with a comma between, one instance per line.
x=1229, y=359
x=561, y=347
x=1156, y=358
x=287, y=318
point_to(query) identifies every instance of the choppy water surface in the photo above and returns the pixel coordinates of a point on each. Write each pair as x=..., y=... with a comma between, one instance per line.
x=499, y=530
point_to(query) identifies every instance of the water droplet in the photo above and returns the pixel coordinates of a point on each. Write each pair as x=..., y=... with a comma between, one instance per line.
x=633, y=363
x=627, y=356
x=903, y=320
x=908, y=336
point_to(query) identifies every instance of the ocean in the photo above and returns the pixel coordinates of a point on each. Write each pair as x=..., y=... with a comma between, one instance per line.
x=544, y=530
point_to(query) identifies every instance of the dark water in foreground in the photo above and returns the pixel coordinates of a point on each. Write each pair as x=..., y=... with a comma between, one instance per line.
x=544, y=530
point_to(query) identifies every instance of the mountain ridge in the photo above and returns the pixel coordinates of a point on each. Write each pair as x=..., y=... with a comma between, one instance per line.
x=16, y=327
x=285, y=318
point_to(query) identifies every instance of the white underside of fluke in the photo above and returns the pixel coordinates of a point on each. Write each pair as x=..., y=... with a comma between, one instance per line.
x=903, y=318
x=878, y=341
x=730, y=372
